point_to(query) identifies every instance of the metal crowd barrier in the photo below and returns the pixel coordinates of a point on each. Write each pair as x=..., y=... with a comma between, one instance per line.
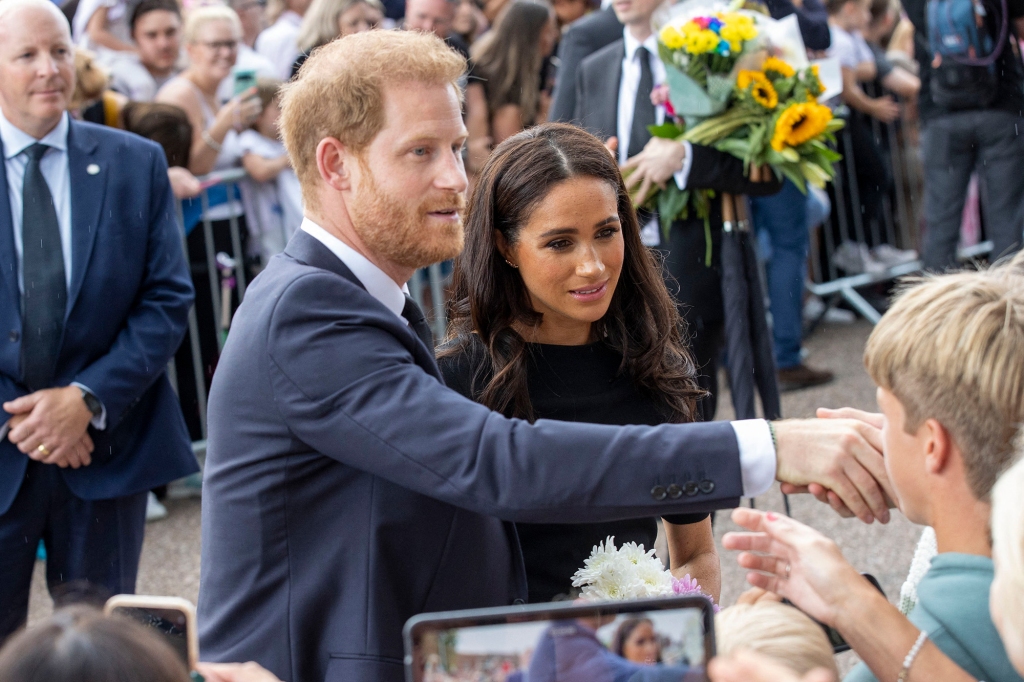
x=901, y=218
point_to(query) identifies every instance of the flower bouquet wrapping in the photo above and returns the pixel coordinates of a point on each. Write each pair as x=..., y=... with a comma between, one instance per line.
x=740, y=82
x=629, y=572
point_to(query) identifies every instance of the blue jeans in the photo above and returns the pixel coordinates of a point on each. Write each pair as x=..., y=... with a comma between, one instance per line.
x=781, y=221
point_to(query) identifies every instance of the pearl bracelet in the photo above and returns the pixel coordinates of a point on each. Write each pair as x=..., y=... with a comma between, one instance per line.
x=210, y=142
x=911, y=655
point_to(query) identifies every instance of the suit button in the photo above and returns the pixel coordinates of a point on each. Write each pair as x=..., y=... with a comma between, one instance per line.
x=14, y=336
x=675, y=492
x=658, y=492
x=691, y=488
x=707, y=486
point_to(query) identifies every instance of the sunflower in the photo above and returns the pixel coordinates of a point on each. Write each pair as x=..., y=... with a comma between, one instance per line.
x=799, y=123
x=777, y=66
x=761, y=89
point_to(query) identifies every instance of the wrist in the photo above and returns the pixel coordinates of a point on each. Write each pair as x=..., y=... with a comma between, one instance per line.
x=858, y=603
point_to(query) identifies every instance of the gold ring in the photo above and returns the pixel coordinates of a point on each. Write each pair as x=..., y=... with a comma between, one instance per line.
x=789, y=569
x=42, y=449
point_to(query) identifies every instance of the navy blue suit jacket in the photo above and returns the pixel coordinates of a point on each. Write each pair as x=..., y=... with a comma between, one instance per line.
x=347, y=489
x=127, y=313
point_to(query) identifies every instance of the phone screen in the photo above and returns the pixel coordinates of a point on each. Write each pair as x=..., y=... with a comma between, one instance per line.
x=172, y=624
x=581, y=648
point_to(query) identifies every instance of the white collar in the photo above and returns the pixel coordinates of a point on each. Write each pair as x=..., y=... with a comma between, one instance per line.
x=632, y=44
x=17, y=140
x=373, y=279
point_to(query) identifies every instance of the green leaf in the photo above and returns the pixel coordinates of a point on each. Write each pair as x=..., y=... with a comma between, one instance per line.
x=794, y=175
x=667, y=130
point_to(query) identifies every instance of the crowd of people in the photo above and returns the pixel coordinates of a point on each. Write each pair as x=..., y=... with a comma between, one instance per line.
x=575, y=393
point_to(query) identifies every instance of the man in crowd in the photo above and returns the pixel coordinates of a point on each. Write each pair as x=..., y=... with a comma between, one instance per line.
x=973, y=126
x=346, y=487
x=613, y=100
x=94, y=298
x=579, y=41
x=156, y=30
x=435, y=16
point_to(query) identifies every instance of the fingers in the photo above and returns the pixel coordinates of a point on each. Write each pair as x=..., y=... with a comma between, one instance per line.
x=790, y=489
x=645, y=188
x=873, y=418
x=751, y=542
x=23, y=404
x=612, y=145
x=87, y=443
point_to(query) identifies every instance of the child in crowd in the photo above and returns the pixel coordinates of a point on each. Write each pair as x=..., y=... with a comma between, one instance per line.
x=776, y=630
x=846, y=20
x=273, y=198
x=947, y=361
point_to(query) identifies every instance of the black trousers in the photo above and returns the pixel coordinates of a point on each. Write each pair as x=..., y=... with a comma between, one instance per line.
x=94, y=544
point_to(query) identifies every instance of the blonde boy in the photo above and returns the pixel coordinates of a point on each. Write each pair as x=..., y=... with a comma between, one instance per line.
x=948, y=360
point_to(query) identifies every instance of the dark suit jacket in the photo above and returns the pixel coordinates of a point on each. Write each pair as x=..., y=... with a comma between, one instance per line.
x=127, y=313
x=695, y=285
x=347, y=489
x=580, y=40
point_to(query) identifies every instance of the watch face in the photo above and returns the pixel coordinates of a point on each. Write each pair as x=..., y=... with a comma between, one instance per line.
x=92, y=402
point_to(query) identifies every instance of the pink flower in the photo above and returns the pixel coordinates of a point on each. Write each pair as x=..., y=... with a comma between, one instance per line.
x=687, y=586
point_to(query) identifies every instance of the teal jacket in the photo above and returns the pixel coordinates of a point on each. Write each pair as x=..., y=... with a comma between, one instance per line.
x=952, y=607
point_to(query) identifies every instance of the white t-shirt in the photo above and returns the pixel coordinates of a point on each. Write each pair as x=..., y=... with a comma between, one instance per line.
x=117, y=24
x=278, y=43
x=273, y=209
x=129, y=77
x=849, y=48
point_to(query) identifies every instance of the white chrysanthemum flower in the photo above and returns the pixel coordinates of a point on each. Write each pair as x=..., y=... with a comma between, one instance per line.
x=628, y=572
x=927, y=548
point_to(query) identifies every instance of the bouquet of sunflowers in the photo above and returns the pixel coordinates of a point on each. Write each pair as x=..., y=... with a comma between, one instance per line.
x=739, y=81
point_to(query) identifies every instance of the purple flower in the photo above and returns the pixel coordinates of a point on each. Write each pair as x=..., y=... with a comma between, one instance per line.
x=687, y=586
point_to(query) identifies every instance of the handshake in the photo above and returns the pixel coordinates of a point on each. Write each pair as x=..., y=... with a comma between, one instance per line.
x=837, y=458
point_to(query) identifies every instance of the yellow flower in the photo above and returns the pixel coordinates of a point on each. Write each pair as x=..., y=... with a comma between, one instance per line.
x=761, y=89
x=800, y=123
x=701, y=41
x=741, y=24
x=776, y=65
x=672, y=38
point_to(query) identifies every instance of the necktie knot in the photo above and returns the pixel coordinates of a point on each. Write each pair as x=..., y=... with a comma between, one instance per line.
x=36, y=151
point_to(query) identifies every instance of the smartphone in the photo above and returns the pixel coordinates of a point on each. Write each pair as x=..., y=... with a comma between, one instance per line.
x=172, y=617
x=567, y=642
x=244, y=79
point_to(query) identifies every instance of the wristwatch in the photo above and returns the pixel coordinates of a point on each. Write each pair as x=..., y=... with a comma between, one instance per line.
x=92, y=402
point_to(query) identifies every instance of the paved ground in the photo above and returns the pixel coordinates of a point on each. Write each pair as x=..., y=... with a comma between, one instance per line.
x=170, y=557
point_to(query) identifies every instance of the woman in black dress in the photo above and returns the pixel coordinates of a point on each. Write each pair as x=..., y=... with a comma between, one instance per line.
x=560, y=312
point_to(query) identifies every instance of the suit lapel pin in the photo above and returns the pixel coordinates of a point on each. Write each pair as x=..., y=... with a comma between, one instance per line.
x=92, y=169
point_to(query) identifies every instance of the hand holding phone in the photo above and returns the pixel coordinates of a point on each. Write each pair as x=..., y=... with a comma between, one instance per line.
x=172, y=617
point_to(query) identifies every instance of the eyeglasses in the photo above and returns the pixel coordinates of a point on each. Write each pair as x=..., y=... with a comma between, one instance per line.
x=217, y=45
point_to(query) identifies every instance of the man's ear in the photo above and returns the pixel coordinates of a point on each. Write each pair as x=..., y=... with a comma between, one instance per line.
x=938, y=446
x=334, y=161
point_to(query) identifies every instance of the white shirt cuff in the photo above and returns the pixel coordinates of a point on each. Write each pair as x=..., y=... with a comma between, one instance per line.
x=757, y=455
x=683, y=175
x=99, y=422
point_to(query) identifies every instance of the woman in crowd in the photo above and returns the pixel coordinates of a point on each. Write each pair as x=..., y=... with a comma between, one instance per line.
x=560, y=312
x=278, y=42
x=636, y=641
x=330, y=19
x=507, y=89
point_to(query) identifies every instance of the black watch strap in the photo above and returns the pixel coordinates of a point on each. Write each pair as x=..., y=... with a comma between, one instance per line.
x=92, y=402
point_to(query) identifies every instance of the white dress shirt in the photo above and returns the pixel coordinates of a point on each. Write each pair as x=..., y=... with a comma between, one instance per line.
x=374, y=280
x=278, y=43
x=757, y=452
x=628, y=85
x=54, y=166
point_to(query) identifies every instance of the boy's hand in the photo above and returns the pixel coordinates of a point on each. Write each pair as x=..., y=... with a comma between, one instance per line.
x=839, y=456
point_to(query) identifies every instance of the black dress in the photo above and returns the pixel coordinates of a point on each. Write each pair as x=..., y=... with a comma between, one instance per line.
x=578, y=384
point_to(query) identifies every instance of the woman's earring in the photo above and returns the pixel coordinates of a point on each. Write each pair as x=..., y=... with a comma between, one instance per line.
x=511, y=264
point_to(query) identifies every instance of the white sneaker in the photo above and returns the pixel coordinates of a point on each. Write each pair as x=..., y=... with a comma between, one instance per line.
x=154, y=510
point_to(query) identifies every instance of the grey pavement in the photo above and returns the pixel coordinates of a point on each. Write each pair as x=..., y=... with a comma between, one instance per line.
x=170, y=556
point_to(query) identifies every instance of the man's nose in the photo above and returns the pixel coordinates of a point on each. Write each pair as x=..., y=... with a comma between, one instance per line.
x=453, y=174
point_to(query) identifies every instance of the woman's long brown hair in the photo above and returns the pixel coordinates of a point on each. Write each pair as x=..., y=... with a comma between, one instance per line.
x=490, y=299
